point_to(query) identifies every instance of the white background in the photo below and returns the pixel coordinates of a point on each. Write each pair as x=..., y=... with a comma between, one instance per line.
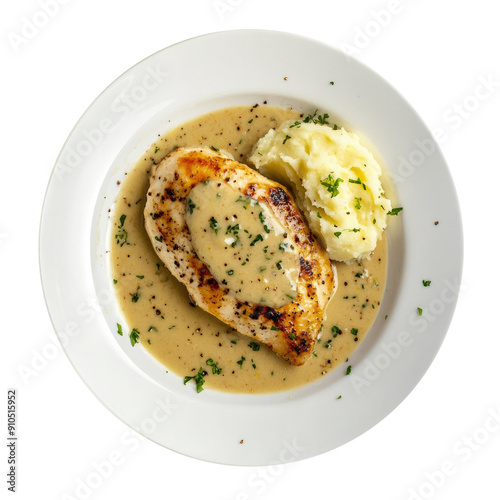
x=438, y=54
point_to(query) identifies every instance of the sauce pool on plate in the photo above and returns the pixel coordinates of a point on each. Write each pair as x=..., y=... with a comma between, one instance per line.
x=191, y=342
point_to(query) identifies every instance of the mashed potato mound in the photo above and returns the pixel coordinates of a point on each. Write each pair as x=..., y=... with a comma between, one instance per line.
x=335, y=180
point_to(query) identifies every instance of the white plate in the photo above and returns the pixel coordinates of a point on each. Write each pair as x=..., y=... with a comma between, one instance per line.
x=179, y=83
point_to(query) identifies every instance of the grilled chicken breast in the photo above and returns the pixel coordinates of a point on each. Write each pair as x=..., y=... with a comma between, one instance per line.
x=291, y=329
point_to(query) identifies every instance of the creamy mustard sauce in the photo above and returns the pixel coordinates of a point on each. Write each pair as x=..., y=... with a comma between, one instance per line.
x=182, y=336
x=242, y=243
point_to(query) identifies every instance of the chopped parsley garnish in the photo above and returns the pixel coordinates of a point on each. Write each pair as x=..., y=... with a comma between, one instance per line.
x=159, y=238
x=122, y=235
x=275, y=329
x=337, y=233
x=263, y=221
x=240, y=362
x=120, y=330
x=191, y=206
x=420, y=311
x=283, y=246
x=331, y=184
x=292, y=336
x=286, y=138
x=318, y=215
x=358, y=203
x=426, y=283
x=395, y=211
x=254, y=346
x=157, y=149
x=214, y=225
x=279, y=266
x=134, y=337
x=358, y=181
x=348, y=371
x=136, y=296
x=215, y=149
x=198, y=378
x=215, y=368
x=152, y=329
x=234, y=231
x=140, y=277
x=335, y=331
x=354, y=331
x=256, y=239
x=296, y=124
x=321, y=119
x=230, y=272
